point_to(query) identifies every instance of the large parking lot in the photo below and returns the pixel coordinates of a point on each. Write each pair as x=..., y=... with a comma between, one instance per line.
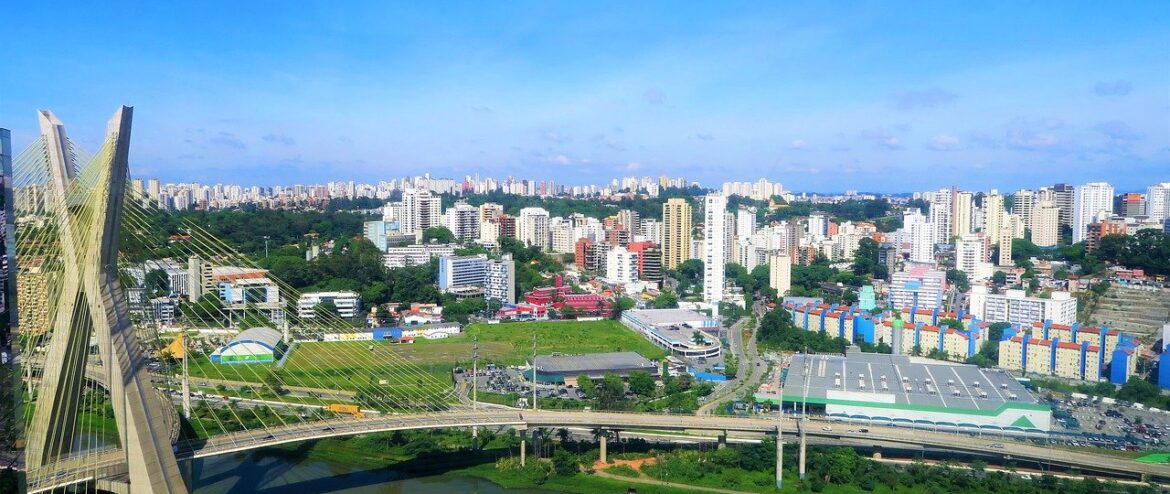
x=1113, y=426
x=510, y=380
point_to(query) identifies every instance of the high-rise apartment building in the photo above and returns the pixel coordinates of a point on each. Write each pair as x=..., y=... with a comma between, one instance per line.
x=1023, y=204
x=1090, y=201
x=500, y=283
x=1132, y=205
x=1158, y=202
x=676, y=232
x=963, y=214
x=1046, y=224
x=780, y=273
x=941, y=212
x=463, y=221
x=921, y=236
x=971, y=256
x=1062, y=196
x=818, y=225
x=745, y=222
x=993, y=213
x=920, y=287
x=1017, y=308
x=714, y=245
x=421, y=209
x=621, y=266
x=532, y=227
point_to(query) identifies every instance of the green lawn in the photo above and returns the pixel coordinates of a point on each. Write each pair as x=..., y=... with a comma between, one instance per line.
x=425, y=366
x=567, y=337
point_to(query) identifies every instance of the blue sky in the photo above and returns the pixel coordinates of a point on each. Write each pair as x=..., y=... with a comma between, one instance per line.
x=891, y=96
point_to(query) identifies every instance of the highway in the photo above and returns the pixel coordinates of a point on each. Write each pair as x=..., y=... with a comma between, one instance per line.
x=70, y=472
x=751, y=367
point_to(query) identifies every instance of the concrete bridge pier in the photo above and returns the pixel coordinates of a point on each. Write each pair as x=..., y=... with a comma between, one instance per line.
x=603, y=438
x=802, y=452
x=779, y=459
x=474, y=438
x=722, y=440
x=523, y=447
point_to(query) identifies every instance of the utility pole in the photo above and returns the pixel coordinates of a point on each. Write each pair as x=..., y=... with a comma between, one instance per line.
x=474, y=388
x=186, y=378
x=266, y=246
x=474, y=372
x=534, y=369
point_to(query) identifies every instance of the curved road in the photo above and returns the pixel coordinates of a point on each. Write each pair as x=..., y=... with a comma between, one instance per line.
x=109, y=464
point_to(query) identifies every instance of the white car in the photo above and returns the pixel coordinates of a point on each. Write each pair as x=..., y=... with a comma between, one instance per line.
x=826, y=428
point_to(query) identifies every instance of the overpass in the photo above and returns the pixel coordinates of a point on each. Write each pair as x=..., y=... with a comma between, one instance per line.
x=110, y=464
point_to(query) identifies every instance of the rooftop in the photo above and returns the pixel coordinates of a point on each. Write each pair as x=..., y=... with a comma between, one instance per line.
x=903, y=380
x=593, y=362
x=667, y=317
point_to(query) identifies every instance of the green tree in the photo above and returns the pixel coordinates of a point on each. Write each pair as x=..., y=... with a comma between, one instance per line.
x=623, y=304
x=564, y=463
x=642, y=383
x=999, y=278
x=959, y=279
x=666, y=299
x=157, y=283
x=273, y=381
x=439, y=234
x=586, y=385
x=611, y=391
x=951, y=322
x=325, y=310
x=865, y=259
x=698, y=338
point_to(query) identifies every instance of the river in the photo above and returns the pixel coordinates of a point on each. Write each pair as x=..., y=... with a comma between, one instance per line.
x=268, y=474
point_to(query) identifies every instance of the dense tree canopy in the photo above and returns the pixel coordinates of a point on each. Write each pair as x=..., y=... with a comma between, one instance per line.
x=851, y=210
x=595, y=208
x=1148, y=250
x=865, y=259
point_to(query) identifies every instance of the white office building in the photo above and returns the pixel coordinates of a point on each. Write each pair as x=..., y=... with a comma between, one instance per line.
x=421, y=210
x=780, y=273
x=1045, y=224
x=500, y=282
x=621, y=266
x=714, y=245
x=414, y=255
x=532, y=227
x=1089, y=202
x=920, y=287
x=971, y=256
x=1017, y=308
x=818, y=226
x=922, y=236
x=463, y=221
x=348, y=304
x=456, y=272
x=1158, y=202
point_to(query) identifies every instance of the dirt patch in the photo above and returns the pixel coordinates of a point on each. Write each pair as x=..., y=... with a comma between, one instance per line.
x=635, y=464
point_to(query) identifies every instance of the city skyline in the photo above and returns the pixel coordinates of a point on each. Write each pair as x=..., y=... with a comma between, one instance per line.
x=552, y=93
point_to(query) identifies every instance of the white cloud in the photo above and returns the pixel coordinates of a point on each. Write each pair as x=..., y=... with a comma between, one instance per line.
x=944, y=142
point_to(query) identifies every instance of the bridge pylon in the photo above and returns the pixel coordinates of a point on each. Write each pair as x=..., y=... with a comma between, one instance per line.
x=92, y=308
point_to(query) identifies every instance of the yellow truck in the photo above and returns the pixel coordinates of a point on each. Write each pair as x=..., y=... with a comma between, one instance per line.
x=353, y=410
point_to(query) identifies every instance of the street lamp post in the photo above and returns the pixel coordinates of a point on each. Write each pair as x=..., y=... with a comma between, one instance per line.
x=266, y=246
x=474, y=372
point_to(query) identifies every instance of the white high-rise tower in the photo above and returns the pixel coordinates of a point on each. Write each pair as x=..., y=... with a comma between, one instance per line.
x=714, y=244
x=1089, y=201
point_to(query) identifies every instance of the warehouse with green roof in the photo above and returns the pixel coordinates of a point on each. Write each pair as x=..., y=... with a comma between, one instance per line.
x=900, y=389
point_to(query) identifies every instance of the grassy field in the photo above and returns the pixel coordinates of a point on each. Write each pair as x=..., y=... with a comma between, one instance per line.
x=567, y=337
x=351, y=365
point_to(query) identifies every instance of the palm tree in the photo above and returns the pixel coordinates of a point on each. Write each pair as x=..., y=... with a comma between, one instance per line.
x=563, y=435
x=697, y=338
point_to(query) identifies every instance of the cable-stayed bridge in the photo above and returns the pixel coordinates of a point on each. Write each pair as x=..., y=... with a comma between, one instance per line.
x=108, y=401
